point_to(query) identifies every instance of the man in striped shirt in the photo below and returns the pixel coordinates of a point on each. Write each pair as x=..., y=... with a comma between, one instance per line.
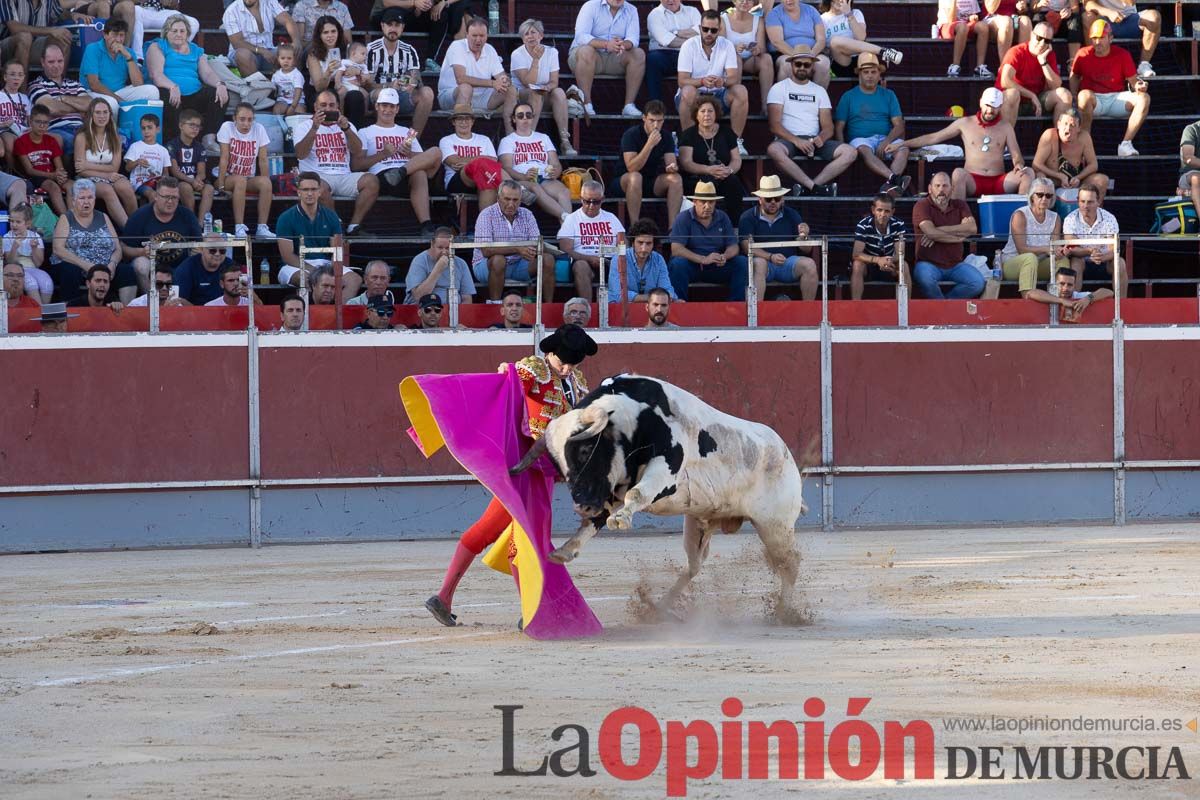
x=876, y=246
x=393, y=64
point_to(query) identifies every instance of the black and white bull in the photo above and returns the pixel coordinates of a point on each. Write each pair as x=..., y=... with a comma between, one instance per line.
x=642, y=444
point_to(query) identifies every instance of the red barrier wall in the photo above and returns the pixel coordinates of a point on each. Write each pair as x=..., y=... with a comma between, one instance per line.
x=123, y=414
x=972, y=403
x=1162, y=400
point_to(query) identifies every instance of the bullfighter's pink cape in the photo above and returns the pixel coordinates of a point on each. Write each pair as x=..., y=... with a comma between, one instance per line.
x=481, y=420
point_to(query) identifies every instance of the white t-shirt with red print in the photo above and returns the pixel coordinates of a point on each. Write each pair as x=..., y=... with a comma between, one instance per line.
x=330, y=153
x=454, y=146
x=527, y=151
x=376, y=137
x=243, y=147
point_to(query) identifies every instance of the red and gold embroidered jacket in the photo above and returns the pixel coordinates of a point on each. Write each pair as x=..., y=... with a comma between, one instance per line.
x=544, y=393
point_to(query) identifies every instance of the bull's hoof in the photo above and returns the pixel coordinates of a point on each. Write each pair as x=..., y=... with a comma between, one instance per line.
x=561, y=556
x=620, y=522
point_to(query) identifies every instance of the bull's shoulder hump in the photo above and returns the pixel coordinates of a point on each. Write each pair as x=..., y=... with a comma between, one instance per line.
x=647, y=391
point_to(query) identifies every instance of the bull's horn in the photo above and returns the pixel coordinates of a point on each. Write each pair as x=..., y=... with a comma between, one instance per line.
x=539, y=447
x=596, y=420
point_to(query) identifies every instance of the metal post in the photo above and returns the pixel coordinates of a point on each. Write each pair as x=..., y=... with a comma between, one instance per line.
x=623, y=285
x=537, y=311
x=902, y=288
x=152, y=297
x=452, y=292
x=824, y=280
x=827, y=424
x=249, y=282
x=1119, y=419
x=1116, y=276
x=3, y=312
x=337, y=287
x=304, y=295
x=751, y=287
x=255, y=438
x=602, y=291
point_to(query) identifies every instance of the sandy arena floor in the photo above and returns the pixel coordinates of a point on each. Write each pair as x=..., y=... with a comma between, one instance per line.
x=314, y=672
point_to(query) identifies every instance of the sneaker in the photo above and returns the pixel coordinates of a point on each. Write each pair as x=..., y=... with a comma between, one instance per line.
x=631, y=111
x=241, y=231
x=589, y=110
x=742, y=151
x=357, y=231
x=565, y=148
x=432, y=66
x=800, y=190
x=982, y=71
x=1126, y=149
x=892, y=56
x=428, y=228
x=263, y=232
x=1144, y=70
x=953, y=71
x=896, y=186
x=825, y=189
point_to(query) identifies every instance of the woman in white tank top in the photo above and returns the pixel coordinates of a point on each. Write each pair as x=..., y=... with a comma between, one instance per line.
x=98, y=156
x=749, y=37
x=1026, y=256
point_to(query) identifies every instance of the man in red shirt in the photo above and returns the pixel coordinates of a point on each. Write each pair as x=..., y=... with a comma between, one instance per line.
x=1029, y=77
x=14, y=285
x=39, y=158
x=942, y=226
x=1106, y=82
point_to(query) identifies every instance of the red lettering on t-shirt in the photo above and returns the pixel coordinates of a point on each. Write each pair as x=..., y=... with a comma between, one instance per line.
x=529, y=152
x=41, y=154
x=595, y=234
x=242, y=153
x=331, y=149
x=468, y=151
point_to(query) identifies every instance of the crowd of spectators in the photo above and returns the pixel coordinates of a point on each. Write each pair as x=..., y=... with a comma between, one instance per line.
x=112, y=188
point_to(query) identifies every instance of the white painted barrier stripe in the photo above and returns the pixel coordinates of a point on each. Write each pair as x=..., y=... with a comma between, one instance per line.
x=984, y=334
x=122, y=341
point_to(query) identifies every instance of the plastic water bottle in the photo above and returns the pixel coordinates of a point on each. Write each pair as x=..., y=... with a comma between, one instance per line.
x=675, y=141
x=208, y=224
x=493, y=16
x=997, y=274
x=264, y=272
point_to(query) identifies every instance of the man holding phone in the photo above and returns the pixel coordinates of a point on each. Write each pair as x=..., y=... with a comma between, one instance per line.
x=235, y=289
x=1107, y=84
x=168, y=292
x=326, y=144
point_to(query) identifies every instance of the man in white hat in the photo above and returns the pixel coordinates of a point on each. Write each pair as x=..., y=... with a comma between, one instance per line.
x=393, y=154
x=772, y=221
x=868, y=118
x=704, y=246
x=984, y=139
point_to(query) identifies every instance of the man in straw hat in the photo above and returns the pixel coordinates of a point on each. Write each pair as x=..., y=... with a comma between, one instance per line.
x=54, y=318
x=704, y=246
x=801, y=118
x=469, y=159
x=868, y=118
x=772, y=221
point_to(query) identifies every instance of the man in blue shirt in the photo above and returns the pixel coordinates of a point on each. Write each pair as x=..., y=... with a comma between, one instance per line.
x=198, y=277
x=320, y=227
x=868, y=118
x=645, y=268
x=704, y=246
x=110, y=72
x=772, y=221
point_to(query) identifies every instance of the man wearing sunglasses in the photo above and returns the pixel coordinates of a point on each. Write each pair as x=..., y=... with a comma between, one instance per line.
x=709, y=64
x=984, y=139
x=164, y=281
x=429, y=314
x=1029, y=78
x=585, y=231
x=199, y=276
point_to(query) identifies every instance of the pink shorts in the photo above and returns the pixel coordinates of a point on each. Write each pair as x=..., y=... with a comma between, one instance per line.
x=947, y=31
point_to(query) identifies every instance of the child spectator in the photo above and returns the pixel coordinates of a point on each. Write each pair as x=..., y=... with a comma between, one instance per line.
x=14, y=109
x=289, y=83
x=957, y=20
x=39, y=158
x=349, y=76
x=147, y=161
x=243, y=154
x=23, y=245
x=188, y=164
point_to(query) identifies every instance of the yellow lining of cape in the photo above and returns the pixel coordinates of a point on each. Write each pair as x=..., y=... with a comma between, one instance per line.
x=422, y=419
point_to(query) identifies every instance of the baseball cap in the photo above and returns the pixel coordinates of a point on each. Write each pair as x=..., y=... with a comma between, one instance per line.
x=382, y=305
x=992, y=97
x=393, y=14
x=389, y=95
x=1100, y=28
x=430, y=301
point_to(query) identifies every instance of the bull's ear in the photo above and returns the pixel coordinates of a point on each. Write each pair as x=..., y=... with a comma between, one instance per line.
x=593, y=421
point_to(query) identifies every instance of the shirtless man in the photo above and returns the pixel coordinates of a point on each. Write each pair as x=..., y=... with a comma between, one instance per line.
x=984, y=138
